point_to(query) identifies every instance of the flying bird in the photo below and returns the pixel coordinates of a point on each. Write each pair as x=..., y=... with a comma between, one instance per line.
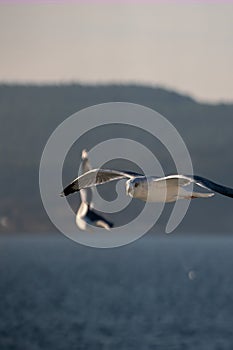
x=86, y=216
x=151, y=189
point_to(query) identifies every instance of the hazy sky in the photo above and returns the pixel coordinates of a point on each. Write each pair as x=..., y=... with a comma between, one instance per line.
x=188, y=47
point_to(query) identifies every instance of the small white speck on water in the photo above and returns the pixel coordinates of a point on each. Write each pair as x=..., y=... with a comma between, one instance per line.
x=191, y=275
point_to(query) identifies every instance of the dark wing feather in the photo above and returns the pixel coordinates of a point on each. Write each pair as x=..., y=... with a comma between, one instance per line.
x=202, y=181
x=93, y=216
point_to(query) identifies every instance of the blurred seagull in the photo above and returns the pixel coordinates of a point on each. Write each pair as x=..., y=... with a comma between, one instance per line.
x=151, y=189
x=86, y=216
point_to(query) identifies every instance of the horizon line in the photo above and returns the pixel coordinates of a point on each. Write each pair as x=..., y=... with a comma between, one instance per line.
x=117, y=83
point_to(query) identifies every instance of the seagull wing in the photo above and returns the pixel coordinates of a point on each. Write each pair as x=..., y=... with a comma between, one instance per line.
x=96, y=177
x=173, y=181
x=206, y=183
x=182, y=180
x=86, y=166
x=85, y=194
x=98, y=219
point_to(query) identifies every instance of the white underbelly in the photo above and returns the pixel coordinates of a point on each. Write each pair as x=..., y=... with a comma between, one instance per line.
x=157, y=193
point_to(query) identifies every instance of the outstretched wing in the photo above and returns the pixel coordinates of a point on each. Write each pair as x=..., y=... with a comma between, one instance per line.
x=86, y=166
x=173, y=180
x=96, y=177
x=206, y=183
x=85, y=194
x=198, y=180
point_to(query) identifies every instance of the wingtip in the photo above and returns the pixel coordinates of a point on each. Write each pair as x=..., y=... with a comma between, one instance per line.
x=62, y=194
x=84, y=154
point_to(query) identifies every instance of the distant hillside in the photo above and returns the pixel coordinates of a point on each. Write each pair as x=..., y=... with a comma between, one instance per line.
x=29, y=114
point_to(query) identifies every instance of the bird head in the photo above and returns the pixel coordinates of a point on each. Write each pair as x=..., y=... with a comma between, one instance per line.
x=137, y=188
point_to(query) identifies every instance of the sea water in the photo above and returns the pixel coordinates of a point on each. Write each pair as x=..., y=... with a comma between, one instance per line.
x=157, y=293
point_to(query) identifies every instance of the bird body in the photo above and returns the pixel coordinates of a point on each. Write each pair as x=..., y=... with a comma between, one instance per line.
x=161, y=189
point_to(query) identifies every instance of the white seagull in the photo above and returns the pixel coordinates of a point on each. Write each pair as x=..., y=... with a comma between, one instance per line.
x=151, y=189
x=86, y=217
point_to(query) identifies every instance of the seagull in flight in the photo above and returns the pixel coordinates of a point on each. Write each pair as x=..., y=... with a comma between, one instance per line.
x=86, y=217
x=151, y=189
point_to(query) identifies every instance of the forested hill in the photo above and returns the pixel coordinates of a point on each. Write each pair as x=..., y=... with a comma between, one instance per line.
x=29, y=114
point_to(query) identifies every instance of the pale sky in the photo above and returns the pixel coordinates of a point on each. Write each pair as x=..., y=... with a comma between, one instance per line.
x=186, y=47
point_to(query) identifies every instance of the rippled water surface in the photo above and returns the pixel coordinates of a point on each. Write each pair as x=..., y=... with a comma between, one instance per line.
x=160, y=293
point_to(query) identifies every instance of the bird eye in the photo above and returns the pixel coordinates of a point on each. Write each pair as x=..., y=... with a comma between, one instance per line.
x=136, y=184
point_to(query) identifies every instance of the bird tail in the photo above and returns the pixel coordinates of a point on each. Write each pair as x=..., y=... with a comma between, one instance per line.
x=200, y=195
